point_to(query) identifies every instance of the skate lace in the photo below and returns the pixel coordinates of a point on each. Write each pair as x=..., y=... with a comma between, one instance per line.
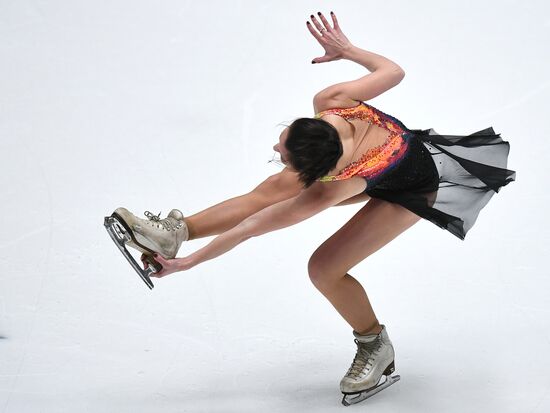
x=167, y=223
x=363, y=358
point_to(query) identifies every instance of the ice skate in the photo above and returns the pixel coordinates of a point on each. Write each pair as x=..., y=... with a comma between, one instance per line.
x=374, y=359
x=149, y=236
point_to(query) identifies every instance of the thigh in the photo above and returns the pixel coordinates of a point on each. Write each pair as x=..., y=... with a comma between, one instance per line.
x=372, y=227
x=363, y=197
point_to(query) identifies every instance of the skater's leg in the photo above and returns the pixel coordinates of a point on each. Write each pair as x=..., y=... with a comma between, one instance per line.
x=354, y=199
x=372, y=227
x=225, y=215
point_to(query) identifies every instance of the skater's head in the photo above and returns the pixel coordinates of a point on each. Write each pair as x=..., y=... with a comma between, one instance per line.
x=311, y=147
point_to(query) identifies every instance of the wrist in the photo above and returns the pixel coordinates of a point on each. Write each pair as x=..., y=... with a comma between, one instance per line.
x=349, y=51
x=186, y=263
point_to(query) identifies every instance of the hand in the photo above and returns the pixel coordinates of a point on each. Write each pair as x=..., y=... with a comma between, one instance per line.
x=167, y=266
x=332, y=39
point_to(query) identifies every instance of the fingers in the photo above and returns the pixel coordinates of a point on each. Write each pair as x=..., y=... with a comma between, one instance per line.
x=324, y=31
x=143, y=259
x=314, y=33
x=318, y=25
x=325, y=23
x=335, y=22
x=323, y=59
x=163, y=262
x=160, y=259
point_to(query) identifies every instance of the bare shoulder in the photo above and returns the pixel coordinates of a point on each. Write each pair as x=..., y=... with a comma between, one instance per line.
x=345, y=128
x=321, y=103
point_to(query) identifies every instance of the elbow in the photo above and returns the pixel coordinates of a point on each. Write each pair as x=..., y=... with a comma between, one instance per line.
x=393, y=74
x=394, y=69
x=399, y=73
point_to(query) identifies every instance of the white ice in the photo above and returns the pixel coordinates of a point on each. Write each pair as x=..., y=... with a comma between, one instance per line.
x=176, y=104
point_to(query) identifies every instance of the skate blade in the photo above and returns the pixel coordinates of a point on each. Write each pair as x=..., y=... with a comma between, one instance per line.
x=120, y=236
x=354, y=398
x=121, y=226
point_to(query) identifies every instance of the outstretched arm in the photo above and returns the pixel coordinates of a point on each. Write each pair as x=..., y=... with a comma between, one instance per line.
x=308, y=203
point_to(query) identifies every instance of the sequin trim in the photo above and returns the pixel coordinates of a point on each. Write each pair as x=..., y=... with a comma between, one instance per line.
x=378, y=159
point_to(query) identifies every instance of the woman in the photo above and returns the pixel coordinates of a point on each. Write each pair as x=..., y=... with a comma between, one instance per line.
x=349, y=152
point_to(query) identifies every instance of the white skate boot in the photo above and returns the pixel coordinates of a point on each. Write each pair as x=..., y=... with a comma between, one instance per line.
x=374, y=359
x=149, y=236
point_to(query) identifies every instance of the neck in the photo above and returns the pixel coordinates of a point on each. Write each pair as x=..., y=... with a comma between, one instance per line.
x=348, y=147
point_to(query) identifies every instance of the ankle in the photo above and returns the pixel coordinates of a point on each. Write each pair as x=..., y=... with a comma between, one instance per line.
x=375, y=328
x=190, y=230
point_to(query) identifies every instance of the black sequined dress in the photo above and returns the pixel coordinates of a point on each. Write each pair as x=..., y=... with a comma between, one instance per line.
x=446, y=179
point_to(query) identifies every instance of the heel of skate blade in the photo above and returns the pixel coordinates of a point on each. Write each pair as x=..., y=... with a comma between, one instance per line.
x=117, y=231
x=390, y=369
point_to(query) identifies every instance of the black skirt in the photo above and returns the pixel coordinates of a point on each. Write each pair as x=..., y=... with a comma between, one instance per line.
x=447, y=179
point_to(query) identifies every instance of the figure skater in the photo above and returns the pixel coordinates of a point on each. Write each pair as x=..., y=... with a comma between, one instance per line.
x=348, y=152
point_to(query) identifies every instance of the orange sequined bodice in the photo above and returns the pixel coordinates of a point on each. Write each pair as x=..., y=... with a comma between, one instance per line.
x=378, y=160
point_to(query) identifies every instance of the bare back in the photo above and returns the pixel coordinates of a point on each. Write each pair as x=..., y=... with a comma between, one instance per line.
x=357, y=135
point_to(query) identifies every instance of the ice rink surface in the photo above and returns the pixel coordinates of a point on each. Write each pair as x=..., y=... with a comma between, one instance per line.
x=177, y=104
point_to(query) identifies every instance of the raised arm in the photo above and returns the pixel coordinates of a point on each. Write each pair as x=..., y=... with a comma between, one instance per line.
x=384, y=75
x=311, y=201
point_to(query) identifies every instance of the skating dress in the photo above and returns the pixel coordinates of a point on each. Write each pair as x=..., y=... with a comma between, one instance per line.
x=446, y=179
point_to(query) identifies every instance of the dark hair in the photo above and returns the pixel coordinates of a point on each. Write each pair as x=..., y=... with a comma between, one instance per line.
x=314, y=148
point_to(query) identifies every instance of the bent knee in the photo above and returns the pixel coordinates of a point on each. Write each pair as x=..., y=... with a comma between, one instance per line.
x=320, y=272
